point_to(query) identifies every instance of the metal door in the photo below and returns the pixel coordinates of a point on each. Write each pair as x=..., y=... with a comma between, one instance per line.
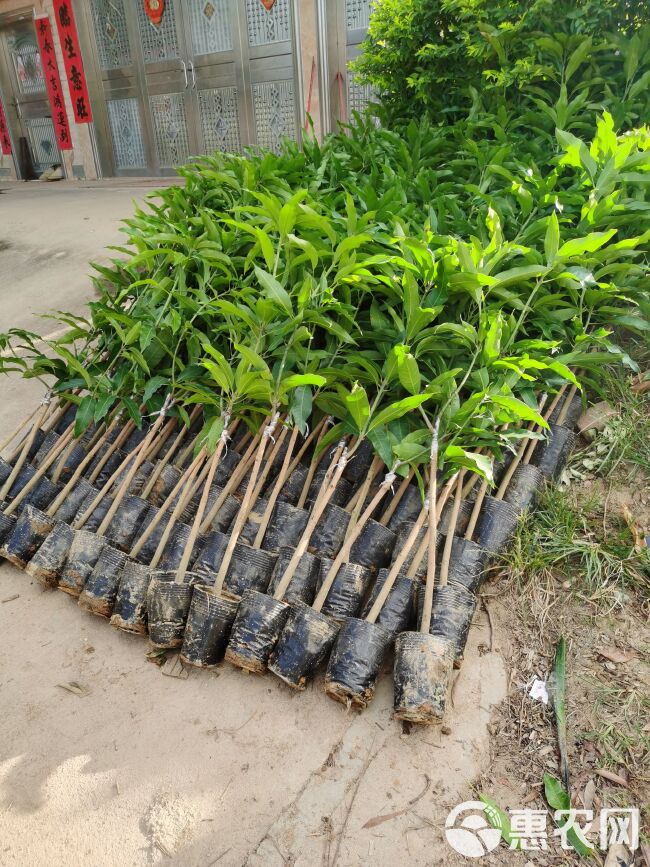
x=347, y=24
x=214, y=75
x=26, y=104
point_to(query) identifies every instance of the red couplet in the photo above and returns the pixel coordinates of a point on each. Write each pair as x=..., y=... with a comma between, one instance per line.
x=74, y=68
x=53, y=82
x=5, y=141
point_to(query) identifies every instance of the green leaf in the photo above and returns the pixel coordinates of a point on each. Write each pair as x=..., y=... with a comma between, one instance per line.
x=397, y=410
x=104, y=403
x=552, y=238
x=358, y=406
x=297, y=379
x=588, y=244
x=558, y=799
x=85, y=414
x=519, y=409
x=300, y=407
x=253, y=358
x=500, y=820
x=274, y=290
x=152, y=387
x=409, y=373
x=132, y=409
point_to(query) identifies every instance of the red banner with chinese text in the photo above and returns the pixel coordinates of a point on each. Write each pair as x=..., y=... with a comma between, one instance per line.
x=5, y=141
x=74, y=68
x=53, y=83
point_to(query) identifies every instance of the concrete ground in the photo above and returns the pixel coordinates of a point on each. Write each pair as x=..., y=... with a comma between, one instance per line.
x=135, y=767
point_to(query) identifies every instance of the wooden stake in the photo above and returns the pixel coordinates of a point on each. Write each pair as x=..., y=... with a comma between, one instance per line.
x=397, y=499
x=334, y=473
x=19, y=429
x=453, y=520
x=433, y=532
x=277, y=487
x=110, y=451
x=166, y=459
x=4, y=491
x=313, y=466
x=247, y=504
x=356, y=503
x=514, y=463
x=42, y=470
x=532, y=445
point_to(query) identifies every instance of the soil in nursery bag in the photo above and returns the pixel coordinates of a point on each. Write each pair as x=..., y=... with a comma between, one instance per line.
x=42, y=495
x=7, y=524
x=302, y=587
x=355, y=662
x=552, y=454
x=210, y=555
x=142, y=476
x=342, y=492
x=374, y=546
x=496, y=525
x=348, y=590
x=227, y=464
x=408, y=508
x=422, y=676
x=397, y=612
x=285, y=527
x=28, y=535
x=292, y=488
x=467, y=563
x=358, y=465
x=255, y=631
x=73, y=459
x=173, y=554
x=51, y=439
x=252, y=525
x=250, y=569
x=453, y=610
x=402, y=537
x=115, y=460
x=464, y=514
x=72, y=504
x=5, y=471
x=82, y=557
x=303, y=645
x=100, y=590
x=168, y=604
x=33, y=450
x=164, y=484
x=66, y=419
x=329, y=535
x=573, y=414
x=524, y=487
x=25, y=475
x=130, y=607
x=48, y=562
x=147, y=551
x=135, y=438
x=222, y=521
x=126, y=521
x=101, y=510
x=209, y=623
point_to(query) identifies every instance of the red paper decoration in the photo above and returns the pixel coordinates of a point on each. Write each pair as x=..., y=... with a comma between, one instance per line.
x=268, y=4
x=5, y=141
x=53, y=83
x=155, y=10
x=74, y=68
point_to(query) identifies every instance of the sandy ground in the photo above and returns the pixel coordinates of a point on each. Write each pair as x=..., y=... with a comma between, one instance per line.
x=136, y=767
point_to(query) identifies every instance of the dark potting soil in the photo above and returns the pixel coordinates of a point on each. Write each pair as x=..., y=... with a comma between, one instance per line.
x=100, y=590
x=257, y=627
x=302, y=586
x=285, y=527
x=48, y=562
x=303, y=645
x=209, y=623
x=355, y=662
x=397, y=612
x=130, y=607
x=348, y=590
x=422, y=677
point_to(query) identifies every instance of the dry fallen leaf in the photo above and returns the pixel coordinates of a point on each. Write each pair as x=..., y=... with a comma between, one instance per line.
x=378, y=820
x=173, y=667
x=635, y=529
x=612, y=777
x=614, y=654
x=588, y=795
x=76, y=688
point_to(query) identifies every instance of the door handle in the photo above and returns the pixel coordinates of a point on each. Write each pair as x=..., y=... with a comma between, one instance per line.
x=191, y=62
x=185, y=72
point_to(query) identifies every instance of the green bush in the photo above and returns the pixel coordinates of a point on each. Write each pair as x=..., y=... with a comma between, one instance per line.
x=449, y=57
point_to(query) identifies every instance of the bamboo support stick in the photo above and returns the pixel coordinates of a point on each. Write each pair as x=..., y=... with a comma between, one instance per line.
x=57, y=503
x=433, y=532
x=266, y=469
x=397, y=499
x=60, y=446
x=313, y=466
x=184, y=455
x=247, y=503
x=110, y=451
x=424, y=544
x=19, y=429
x=449, y=539
x=478, y=502
x=161, y=440
x=189, y=488
x=22, y=457
x=166, y=459
x=203, y=502
x=334, y=473
x=396, y=568
x=532, y=445
x=566, y=406
x=233, y=483
x=344, y=554
x=55, y=415
x=277, y=487
x=135, y=466
x=356, y=504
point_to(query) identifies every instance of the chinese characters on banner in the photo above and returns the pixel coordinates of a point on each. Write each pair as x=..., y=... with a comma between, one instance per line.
x=53, y=83
x=5, y=141
x=74, y=69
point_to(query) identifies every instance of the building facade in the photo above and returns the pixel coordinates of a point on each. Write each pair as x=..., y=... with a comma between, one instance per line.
x=168, y=79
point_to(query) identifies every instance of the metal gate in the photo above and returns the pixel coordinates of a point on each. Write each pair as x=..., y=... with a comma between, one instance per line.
x=347, y=24
x=214, y=75
x=25, y=98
